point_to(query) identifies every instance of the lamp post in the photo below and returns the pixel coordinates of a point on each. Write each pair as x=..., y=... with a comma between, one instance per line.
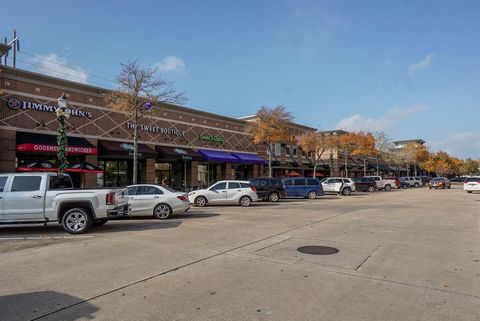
x=62, y=139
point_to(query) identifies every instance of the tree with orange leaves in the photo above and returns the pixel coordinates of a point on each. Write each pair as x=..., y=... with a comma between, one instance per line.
x=270, y=126
x=365, y=147
x=347, y=143
x=316, y=143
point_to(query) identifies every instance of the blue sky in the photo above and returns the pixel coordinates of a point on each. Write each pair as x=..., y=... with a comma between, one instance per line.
x=409, y=68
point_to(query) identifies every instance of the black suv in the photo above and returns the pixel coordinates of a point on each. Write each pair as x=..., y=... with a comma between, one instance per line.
x=270, y=189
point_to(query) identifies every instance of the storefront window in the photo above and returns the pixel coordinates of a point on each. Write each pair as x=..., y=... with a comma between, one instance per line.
x=172, y=174
x=208, y=174
x=242, y=172
x=117, y=173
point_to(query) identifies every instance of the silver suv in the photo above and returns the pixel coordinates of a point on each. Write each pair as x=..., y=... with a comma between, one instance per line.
x=412, y=181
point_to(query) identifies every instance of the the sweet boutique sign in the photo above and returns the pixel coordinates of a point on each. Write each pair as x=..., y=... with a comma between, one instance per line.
x=155, y=129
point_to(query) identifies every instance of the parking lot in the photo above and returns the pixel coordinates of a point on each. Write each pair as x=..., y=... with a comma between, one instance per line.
x=403, y=255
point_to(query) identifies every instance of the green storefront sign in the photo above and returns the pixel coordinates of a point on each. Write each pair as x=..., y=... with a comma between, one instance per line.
x=219, y=139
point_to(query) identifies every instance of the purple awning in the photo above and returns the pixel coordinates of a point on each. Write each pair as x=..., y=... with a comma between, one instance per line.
x=217, y=156
x=249, y=158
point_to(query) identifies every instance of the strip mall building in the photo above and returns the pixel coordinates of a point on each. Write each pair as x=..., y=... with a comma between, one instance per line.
x=188, y=147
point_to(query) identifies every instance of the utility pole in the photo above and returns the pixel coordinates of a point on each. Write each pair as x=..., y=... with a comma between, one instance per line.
x=15, y=43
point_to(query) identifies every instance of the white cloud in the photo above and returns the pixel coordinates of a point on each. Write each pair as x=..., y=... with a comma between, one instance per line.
x=461, y=144
x=56, y=66
x=424, y=63
x=171, y=64
x=388, y=120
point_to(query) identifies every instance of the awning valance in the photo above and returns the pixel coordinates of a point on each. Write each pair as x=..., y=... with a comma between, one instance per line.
x=217, y=156
x=42, y=143
x=178, y=153
x=124, y=150
x=245, y=158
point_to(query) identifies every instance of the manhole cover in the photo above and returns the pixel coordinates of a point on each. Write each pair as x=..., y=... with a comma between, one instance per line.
x=318, y=250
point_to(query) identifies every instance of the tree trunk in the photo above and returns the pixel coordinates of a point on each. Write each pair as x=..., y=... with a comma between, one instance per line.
x=314, y=169
x=135, y=148
x=364, y=166
x=415, y=168
x=331, y=163
x=376, y=160
x=270, y=159
x=346, y=163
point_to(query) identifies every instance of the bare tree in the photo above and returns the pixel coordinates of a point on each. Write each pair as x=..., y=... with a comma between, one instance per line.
x=139, y=92
x=384, y=146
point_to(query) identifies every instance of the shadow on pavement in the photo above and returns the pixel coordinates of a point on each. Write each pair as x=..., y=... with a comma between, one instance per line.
x=28, y=306
x=194, y=215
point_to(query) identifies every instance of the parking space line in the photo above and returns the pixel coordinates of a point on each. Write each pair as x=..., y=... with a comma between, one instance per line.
x=20, y=238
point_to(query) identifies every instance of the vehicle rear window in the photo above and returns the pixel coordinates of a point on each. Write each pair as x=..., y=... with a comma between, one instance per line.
x=245, y=185
x=288, y=182
x=472, y=179
x=26, y=183
x=233, y=185
x=59, y=182
x=312, y=182
x=132, y=190
x=3, y=181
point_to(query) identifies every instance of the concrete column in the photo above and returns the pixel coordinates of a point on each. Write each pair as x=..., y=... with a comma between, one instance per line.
x=192, y=174
x=8, y=151
x=90, y=180
x=148, y=171
x=227, y=171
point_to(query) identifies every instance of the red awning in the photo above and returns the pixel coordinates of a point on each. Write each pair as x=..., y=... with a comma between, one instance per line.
x=294, y=174
x=42, y=143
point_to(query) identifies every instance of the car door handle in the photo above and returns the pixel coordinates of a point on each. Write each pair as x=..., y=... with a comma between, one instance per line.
x=156, y=197
x=224, y=191
x=131, y=197
x=36, y=196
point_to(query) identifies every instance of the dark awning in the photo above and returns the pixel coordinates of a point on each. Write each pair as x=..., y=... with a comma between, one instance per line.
x=178, y=153
x=123, y=150
x=42, y=143
x=217, y=156
x=245, y=158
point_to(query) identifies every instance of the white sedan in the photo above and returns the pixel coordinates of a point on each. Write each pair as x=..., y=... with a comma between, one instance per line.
x=225, y=192
x=156, y=200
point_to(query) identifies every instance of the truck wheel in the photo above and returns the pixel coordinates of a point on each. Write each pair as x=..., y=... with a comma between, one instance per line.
x=346, y=191
x=274, y=197
x=100, y=222
x=245, y=201
x=201, y=201
x=387, y=187
x=76, y=221
x=162, y=211
x=371, y=189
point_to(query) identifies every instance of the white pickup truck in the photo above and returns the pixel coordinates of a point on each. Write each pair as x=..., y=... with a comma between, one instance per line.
x=50, y=197
x=385, y=184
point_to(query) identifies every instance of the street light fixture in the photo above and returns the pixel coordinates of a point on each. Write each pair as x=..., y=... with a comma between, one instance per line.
x=62, y=139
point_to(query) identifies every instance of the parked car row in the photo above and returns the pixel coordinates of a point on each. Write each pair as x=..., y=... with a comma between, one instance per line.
x=50, y=197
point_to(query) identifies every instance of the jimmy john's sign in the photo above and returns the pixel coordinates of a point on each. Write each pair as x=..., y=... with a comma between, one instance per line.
x=16, y=104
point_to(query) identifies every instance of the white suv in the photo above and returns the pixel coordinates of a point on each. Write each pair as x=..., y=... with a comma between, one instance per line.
x=338, y=185
x=471, y=184
x=412, y=181
x=225, y=192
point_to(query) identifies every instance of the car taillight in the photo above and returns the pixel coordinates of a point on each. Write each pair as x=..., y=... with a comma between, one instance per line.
x=253, y=188
x=110, y=198
x=182, y=198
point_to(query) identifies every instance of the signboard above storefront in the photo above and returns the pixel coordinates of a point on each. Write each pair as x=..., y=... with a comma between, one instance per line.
x=16, y=104
x=155, y=129
x=219, y=139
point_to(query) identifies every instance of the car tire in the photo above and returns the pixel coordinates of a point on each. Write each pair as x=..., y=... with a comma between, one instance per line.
x=312, y=195
x=76, y=221
x=162, y=211
x=449, y=186
x=469, y=192
x=245, y=201
x=273, y=197
x=387, y=187
x=100, y=222
x=346, y=191
x=201, y=201
x=371, y=189
x=416, y=185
